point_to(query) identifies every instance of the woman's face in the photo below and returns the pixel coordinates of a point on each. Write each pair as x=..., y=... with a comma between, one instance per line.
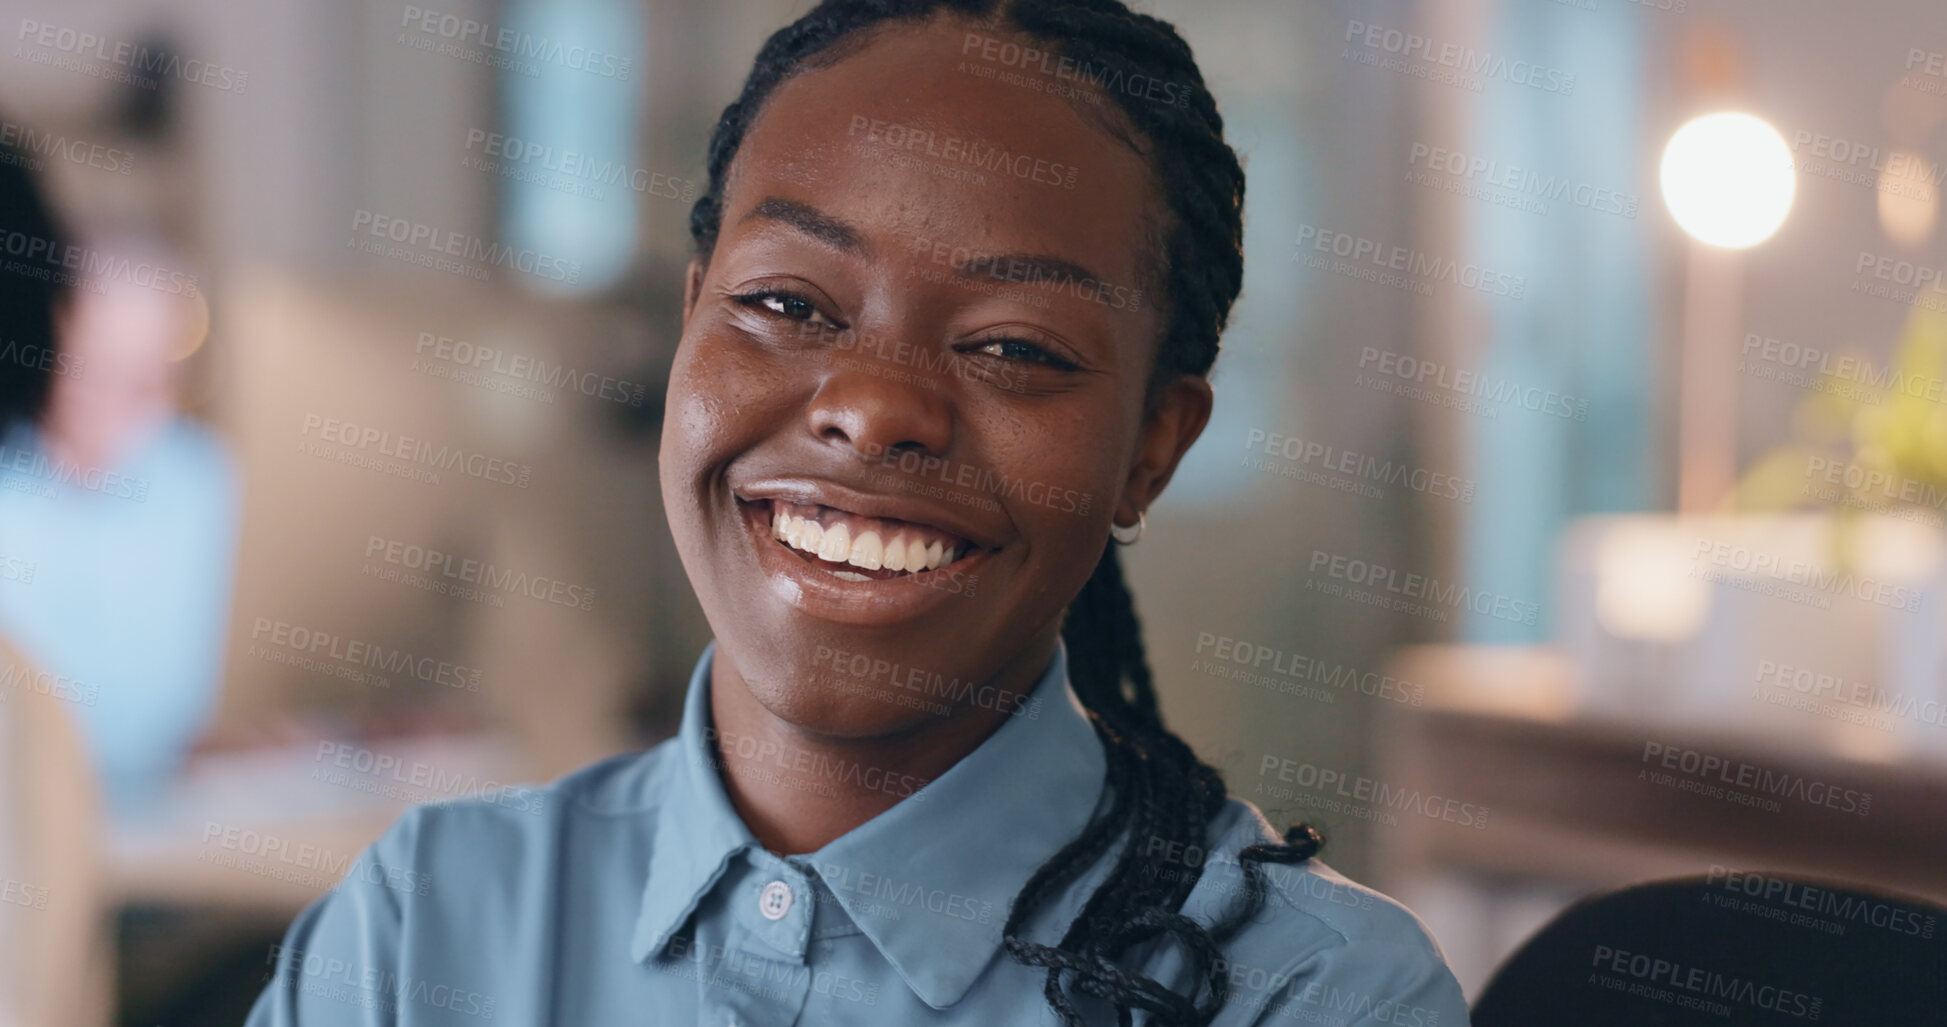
x=918, y=351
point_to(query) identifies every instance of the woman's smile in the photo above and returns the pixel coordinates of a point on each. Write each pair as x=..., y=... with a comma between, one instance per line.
x=840, y=554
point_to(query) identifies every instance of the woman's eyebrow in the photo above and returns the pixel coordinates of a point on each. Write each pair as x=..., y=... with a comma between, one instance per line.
x=1032, y=268
x=811, y=221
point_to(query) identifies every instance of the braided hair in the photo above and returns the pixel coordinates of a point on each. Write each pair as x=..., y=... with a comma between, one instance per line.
x=1160, y=796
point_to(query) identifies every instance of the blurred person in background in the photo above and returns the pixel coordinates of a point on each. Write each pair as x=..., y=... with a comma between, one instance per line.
x=127, y=511
x=51, y=945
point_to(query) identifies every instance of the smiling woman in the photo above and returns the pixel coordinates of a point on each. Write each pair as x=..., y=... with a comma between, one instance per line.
x=922, y=777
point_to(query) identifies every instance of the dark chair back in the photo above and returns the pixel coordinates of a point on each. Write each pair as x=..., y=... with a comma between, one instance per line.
x=1731, y=947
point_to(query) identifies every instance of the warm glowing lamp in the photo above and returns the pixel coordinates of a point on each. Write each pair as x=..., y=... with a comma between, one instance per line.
x=1728, y=180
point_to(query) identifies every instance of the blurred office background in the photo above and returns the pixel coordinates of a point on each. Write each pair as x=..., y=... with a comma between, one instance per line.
x=1522, y=500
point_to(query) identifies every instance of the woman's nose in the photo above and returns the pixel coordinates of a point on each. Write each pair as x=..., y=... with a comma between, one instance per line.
x=875, y=414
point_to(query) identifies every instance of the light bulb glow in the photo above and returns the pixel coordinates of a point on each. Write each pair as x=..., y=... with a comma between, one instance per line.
x=1728, y=179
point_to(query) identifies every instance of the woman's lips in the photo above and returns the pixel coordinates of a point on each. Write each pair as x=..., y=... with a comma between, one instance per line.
x=849, y=592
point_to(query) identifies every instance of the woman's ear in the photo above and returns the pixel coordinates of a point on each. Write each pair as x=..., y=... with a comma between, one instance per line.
x=1181, y=413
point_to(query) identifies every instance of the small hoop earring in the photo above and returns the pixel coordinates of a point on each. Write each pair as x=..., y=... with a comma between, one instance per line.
x=1116, y=531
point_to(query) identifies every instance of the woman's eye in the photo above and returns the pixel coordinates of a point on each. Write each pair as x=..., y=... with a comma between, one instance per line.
x=1021, y=349
x=785, y=304
x=790, y=306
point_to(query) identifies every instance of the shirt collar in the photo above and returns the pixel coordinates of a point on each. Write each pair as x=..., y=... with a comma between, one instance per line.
x=949, y=859
x=697, y=830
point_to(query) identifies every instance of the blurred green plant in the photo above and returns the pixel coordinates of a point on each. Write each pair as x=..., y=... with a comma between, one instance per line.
x=1867, y=440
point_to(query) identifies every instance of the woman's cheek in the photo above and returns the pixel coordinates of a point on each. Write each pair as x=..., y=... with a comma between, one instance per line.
x=730, y=396
x=1068, y=502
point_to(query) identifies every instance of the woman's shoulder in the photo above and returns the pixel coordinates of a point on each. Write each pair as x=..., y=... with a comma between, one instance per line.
x=1319, y=946
x=512, y=819
x=1312, y=888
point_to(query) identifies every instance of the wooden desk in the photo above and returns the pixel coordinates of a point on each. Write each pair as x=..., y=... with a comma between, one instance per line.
x=1580, y=804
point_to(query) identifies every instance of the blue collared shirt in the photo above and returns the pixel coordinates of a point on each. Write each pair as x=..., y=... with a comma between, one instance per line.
x=630, y=892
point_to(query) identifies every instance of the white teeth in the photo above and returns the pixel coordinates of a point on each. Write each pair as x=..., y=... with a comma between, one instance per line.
x=836, y=545
x=866, y=551
x=869, y=551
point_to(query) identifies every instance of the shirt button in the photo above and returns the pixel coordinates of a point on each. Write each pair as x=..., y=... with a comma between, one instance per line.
x=775, y=901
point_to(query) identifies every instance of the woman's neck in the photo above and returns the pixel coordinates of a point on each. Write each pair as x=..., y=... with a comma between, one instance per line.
x=798, y=790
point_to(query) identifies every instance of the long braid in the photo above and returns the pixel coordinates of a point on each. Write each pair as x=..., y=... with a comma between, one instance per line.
x=1160, y=791
x=1159, y=795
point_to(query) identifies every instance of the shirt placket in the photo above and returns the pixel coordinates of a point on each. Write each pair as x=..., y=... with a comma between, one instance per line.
x=764, y=976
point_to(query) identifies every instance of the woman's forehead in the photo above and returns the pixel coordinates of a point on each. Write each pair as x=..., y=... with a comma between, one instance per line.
x=909, y=144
